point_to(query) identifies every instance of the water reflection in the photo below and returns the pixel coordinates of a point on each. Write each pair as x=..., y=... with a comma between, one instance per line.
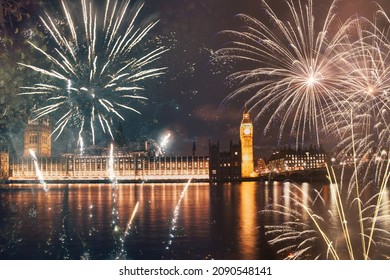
x=248, y=214
x=215, y=221
x=287, y=198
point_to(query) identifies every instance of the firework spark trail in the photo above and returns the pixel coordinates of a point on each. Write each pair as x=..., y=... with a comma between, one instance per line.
x=114, y=197
x=165, y=140
x=299, y=236
x=335, y=192
x=314, y=80
x=310, y=80
x=297, y=71
x=164, y=143
x=296, y=230
x=367, y=87
x=176, y=214
x=128, y=227
x=382, y=191
x=95, y=68
x=111, y=167
x=358, y=194
x=159, y=148
x=369, y=211
x=38, y=171
x=122, y=254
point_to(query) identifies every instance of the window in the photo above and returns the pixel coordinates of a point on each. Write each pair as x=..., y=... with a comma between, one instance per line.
x=33, y=139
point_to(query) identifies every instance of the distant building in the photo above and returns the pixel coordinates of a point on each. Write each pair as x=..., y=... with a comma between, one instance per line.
x=136, y=161
x=37, y=138
x=4, y=165
x=129, y=163
x=261, y=166
x=288, y=159
x=226, y=165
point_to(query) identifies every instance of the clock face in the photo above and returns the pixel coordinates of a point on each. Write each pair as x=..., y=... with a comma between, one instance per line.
x=247, y=131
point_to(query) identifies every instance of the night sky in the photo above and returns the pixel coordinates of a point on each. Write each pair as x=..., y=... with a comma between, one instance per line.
x=187, y=101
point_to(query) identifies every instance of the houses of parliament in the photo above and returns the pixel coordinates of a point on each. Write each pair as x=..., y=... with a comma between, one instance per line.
x=130, y=164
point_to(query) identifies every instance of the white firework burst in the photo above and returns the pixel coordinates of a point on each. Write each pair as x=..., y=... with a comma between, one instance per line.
x=294, y=72
x=95, y=69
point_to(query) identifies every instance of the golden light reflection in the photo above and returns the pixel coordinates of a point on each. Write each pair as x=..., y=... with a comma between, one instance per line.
x=248, y=215
x=305, y=200
x=286, y=198
x=386, y=207
x=275, y=194
x=266, y=192
x=227, y=227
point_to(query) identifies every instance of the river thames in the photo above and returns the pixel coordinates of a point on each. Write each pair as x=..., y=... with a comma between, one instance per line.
x=144, y=221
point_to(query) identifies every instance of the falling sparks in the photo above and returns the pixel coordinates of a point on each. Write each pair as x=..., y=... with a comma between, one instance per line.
x=159, y=148
x=366, y=85
x=176, y=214
x=111, y=169
x=118, y=233
x=128, y=227
x=122, y=254
x=295, y=69
x=164, y=143
x=354, y=106
x=38, y=171
x=354, y=225
x=95, y=70
x=310, y=81
x=114, y=197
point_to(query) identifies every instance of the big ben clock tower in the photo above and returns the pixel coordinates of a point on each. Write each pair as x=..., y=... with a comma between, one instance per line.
x=246, y=137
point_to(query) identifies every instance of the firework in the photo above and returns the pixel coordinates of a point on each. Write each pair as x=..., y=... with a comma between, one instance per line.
x=159, y=148
x=165, y=140
x=354, y=226
x=366, y=85
x=294, y=71
x=122, y=252
x=164, y=143
x=118, y=233
x=128, y=227
x=95, y=70
x=38, y=171
x=176, y=213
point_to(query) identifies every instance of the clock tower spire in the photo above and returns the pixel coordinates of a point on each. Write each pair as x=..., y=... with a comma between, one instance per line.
x=246, y=138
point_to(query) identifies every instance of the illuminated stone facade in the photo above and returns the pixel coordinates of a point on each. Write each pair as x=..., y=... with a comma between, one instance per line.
x=246, y=138
x=37, y=138
x=288, y=159
x=4, y=165
x=137, y=163
x=137, y=166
